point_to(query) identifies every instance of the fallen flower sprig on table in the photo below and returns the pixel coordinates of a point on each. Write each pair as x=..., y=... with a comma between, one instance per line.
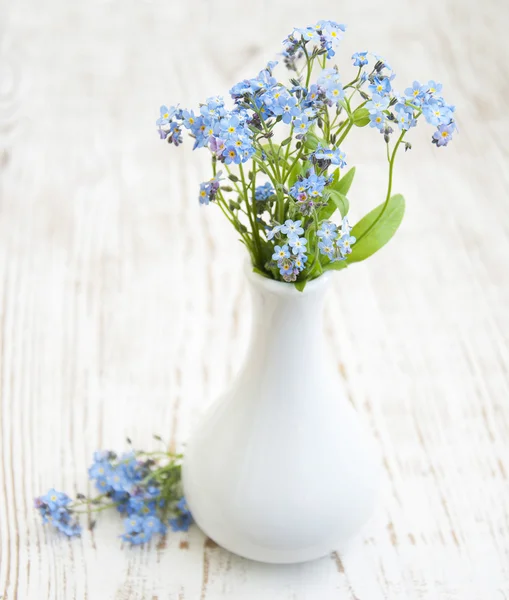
x=144, y=487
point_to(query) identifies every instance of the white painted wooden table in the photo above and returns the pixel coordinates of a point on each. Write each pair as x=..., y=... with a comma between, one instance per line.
x=123, y=310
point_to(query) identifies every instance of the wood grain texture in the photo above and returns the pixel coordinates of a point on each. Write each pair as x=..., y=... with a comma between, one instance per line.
x=123, y=310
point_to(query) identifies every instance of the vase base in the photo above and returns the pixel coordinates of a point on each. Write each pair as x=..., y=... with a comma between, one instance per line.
x=278, y=556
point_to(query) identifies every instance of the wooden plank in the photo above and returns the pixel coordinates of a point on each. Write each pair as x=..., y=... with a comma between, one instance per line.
x=123, y=310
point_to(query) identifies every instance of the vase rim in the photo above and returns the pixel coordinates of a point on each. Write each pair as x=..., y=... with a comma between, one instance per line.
x=281, y=287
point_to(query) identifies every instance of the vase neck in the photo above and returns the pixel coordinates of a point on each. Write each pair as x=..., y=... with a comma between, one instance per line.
x=287, y=324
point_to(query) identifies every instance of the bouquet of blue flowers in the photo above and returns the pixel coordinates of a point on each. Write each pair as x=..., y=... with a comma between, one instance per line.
x=144, y=487
x=291, y=139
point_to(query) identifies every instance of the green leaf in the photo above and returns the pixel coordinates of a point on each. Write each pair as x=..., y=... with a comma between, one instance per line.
x=336, y=265
x=294, y=173
x=344, y=184
x=286, y=142
x=260, y=272
x=344, y=105
x=335, y=201
x=312, y=141
x=360, y=117
x=300, y=285
x=299, y=168
x=271, y=151
x=341, y=202
x=371, y=233
x=338, y=186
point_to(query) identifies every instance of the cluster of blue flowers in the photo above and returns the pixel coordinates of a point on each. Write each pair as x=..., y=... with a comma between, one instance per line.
x=335, y=243
x=266, y=98
x=225, y=132
x=264, y=192
x=140, y=528
x=329, y=84
x=324, y=37
x=360, y=59
x=169, y=124
x=208, y=189
x=133, y=483
x=329, y=156
x=417, y=99
x=308, y=192
x=54, y=509
x=291, y=256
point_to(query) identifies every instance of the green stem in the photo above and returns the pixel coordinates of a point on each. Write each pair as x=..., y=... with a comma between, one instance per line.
x=279, y=192
x=153, y=474
x=158, y=453
x=389, y=186
x=226, y=211
x=234, y=182
x=327, y=125
x=297, y=158
x=253, y=190
x=345, y=133
x=97, y=509
x=82, y=502
x=354, y=81
x=309, y=66
x=288, y=146
x=252, y=219
x=316, y=259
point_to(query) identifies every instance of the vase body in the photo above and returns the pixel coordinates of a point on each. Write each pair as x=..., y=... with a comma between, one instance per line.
x=280, y=469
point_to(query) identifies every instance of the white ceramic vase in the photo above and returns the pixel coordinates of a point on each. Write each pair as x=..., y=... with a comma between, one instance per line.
x=280, y=468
